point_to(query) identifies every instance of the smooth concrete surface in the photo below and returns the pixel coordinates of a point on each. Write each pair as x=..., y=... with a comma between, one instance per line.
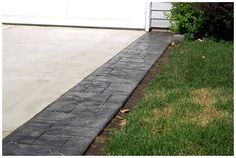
x=71, y=123
x=42, y=63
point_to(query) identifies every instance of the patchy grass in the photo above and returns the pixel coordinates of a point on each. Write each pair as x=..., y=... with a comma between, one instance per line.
x=187, y=109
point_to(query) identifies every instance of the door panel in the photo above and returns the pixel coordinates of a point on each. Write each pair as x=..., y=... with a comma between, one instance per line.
x=102, y=13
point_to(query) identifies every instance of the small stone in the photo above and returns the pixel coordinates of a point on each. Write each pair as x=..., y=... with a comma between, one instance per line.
x=200, y=40
x=172, y=43
x=124, y=111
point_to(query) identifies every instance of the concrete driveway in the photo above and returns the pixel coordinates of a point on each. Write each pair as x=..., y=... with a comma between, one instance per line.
x=42, y=63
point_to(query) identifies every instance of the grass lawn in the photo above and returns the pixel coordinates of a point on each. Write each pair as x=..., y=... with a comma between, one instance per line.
x=187, y=109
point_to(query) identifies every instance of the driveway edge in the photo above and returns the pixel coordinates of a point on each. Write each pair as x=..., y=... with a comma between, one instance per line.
x=69, y=124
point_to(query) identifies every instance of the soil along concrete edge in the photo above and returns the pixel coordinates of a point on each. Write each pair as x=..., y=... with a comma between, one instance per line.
x=69, y=125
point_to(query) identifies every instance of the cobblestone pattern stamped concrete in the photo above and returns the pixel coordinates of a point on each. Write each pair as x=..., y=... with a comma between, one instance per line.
x=69, y=125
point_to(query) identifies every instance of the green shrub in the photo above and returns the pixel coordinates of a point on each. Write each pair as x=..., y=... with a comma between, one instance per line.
x=186, y=18
x=198, y=20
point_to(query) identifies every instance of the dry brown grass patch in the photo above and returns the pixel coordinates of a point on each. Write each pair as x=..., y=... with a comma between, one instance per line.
x=156, y=131
x=157, y=113
x=164, y=112
x=203, y=96
x=194, y=148
x=208, y=113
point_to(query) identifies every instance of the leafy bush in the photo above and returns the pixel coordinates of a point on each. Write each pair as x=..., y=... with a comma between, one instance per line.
x=218, y=20
x=198, y=20
x=186, y=18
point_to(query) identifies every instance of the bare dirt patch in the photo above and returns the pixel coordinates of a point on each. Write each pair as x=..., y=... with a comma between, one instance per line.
x=101, y=139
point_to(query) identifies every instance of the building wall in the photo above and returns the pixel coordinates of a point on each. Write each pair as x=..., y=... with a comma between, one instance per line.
x=158, y=17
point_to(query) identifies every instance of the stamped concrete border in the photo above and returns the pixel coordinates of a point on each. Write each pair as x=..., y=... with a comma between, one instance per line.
x=69, y=124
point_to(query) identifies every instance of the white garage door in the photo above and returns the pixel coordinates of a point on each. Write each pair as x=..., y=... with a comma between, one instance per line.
x=95, y=13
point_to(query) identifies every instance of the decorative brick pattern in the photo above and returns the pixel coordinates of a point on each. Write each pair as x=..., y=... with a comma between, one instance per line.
x=69, y=125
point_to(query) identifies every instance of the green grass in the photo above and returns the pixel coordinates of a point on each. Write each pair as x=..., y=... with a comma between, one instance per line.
x=187, y=109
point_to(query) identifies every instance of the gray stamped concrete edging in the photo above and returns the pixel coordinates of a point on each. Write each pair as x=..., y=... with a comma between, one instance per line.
x=69, y=124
